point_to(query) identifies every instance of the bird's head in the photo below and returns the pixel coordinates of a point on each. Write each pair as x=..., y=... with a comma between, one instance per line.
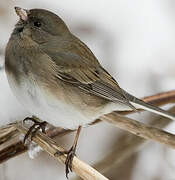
x=39, y=24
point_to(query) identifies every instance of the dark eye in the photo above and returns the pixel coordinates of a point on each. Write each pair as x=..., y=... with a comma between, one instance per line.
x=20, y=29
x=37, y=24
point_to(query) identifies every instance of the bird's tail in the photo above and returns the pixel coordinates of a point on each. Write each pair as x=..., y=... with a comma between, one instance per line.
x=139, y=104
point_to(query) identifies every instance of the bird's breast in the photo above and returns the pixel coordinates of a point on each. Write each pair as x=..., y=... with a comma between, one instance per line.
x=48, y=106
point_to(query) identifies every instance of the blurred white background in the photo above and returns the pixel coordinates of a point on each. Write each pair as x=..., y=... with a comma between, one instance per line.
x=135, y=41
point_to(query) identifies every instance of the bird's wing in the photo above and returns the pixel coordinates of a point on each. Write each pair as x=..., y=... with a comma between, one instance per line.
x=78, y=66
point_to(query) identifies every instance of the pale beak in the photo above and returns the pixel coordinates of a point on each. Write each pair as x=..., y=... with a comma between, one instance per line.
x=22, y=13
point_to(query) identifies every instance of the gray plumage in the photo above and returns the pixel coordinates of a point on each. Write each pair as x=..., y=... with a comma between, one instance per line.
x=49, y=61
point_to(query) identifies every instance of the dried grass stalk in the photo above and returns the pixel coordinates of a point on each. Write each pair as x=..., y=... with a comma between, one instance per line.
x=82, y=169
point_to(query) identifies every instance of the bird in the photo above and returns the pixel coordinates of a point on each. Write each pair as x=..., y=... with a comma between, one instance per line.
x=58, y=79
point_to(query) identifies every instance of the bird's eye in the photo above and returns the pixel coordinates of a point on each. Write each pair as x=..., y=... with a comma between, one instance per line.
x=37, y=24
x=20, y=29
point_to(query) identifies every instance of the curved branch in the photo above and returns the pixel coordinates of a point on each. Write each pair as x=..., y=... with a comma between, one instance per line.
x=47, y=144
x=18, y=147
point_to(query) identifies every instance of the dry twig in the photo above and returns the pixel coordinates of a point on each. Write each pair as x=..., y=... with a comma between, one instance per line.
x=47, y=144
x=128, y=124
x=158, y=99
x=141, y=129
x=127, y=145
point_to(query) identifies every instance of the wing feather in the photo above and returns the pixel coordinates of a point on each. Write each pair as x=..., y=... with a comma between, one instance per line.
x=84, y=71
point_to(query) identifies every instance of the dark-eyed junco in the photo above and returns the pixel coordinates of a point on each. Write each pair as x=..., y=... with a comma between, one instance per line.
x=57, y=77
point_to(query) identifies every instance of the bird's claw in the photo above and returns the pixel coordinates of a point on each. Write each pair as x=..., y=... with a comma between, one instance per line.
x=69, y=159
x=34, y=128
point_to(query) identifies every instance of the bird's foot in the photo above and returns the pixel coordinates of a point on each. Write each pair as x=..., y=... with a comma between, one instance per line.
x=34, y=128
x=71, y=153
x=69, y=159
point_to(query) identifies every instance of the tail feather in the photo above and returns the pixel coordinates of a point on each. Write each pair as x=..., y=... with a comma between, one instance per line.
x=138, y=103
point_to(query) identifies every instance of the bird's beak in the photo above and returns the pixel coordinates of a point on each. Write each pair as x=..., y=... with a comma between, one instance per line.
x=22, y=13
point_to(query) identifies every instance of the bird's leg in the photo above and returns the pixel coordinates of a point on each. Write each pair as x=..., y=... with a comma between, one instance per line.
x=70, y=153
x=35, y=127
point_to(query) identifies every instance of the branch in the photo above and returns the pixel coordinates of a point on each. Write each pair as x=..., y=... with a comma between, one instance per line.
x=18, y=148
x=14, y=149
x=47, y=144
x=140, y=129
x=126, y=146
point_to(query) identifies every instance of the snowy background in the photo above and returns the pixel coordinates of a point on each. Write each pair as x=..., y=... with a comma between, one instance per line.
x=135, y=41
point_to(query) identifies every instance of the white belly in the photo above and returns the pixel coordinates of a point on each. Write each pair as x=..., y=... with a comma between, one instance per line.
x=45, y=107
x=48, y=108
